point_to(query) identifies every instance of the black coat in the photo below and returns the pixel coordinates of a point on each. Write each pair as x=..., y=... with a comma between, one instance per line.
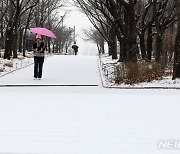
x=39, y=50
x=75, y=47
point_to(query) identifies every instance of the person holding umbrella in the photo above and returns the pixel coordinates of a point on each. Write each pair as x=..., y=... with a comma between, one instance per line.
x=38, y=48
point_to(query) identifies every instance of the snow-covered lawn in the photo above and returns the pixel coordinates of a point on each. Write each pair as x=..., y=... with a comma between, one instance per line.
x=108, y=65
x=7, y=66
x=83, y=119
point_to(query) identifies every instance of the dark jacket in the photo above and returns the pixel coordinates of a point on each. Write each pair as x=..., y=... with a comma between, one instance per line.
x=75, y=47
x=39, y=50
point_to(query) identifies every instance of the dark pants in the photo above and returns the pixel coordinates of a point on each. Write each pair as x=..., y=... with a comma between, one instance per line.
x=38, y=65
x=75, y=52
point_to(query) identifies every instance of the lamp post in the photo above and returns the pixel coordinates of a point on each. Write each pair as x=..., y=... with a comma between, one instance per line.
x=74, y=34
x=69, y=38
x=62, y=34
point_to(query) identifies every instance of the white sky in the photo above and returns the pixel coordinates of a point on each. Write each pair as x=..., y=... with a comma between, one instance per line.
x=76, y=18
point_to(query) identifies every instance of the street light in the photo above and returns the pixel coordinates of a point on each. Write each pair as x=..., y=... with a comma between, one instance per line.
x=62, y=18
x=70, y=38
x=74, y=34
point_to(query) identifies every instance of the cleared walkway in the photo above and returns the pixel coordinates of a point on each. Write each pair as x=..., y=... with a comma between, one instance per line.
x=59, y=70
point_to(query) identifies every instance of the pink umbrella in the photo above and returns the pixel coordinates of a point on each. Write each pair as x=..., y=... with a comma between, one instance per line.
x=42, y=31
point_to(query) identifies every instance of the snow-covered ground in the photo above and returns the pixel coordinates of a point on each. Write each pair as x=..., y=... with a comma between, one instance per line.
x=107, y=67
x=77, y=118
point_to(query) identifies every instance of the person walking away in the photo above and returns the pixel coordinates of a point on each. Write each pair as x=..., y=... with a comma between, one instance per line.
x=38, y=48
x=75, y=47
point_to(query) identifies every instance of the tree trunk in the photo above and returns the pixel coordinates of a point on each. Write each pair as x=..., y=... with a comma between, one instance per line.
x=48, y=45
x=149, y=43
x=109, y=48
x=15, y=42
x=101, y=45
x=24, y=41
x=113, y=43
x=158, y=48
x=123, y=51
x=142, y=45
x=8, y=44
x=176, y=67
x=132, y=35
x=20, y=40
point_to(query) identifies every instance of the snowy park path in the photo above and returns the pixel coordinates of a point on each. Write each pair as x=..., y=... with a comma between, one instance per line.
x=83, y=119
x=59, y=70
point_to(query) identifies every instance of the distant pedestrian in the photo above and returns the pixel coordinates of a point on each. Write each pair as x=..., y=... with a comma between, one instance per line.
x=39, y=49
x=75, y=47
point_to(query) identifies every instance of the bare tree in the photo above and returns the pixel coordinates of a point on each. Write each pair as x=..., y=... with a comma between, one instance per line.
x=3, y=10
x=19, y=15
x=16, y=9
x=120, y=16
x=144, y=23
x=101, y=19
x=163, y=12
x=95, y=36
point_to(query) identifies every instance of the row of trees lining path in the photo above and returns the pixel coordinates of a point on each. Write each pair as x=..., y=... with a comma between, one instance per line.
x=17, y=16
x=136, y=29
x=133, y=29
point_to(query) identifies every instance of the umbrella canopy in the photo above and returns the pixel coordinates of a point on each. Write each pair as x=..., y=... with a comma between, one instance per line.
x=42, y=31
